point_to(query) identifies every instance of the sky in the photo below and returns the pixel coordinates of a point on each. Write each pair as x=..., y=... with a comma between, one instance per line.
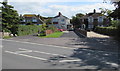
x=50, y=8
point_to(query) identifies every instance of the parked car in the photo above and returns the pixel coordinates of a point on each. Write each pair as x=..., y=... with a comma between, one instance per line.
x=70, y=29
x=61, y=30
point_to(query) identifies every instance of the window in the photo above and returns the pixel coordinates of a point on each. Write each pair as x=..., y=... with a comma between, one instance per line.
x=63, y=20
x=90, y=19
x=100, y=19
x=34, y=20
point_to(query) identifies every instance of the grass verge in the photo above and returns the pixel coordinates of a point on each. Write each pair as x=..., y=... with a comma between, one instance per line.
x=53, y=35
x=6, y=37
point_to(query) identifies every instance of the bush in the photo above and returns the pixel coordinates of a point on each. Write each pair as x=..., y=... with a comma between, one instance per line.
x=53, y=28
x=111, y=31
x=118, y=29
x=43, y=29
x=0, y=28
x=6, y=30
x=27, y=29
x=115, y=23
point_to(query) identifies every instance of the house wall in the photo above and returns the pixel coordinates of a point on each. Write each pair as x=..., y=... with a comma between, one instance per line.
x=62, y=22
x=33, y=20
x=94, y=21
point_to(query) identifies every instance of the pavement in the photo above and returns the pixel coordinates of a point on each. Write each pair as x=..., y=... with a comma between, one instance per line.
x=92, y=34
x=67, y=52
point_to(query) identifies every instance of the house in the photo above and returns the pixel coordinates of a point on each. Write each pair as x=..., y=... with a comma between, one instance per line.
x=61, y=22
x=90, y=20
x=28, y=19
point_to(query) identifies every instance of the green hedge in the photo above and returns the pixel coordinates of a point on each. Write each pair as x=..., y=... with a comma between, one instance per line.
x=111, y=31
x=27, y=29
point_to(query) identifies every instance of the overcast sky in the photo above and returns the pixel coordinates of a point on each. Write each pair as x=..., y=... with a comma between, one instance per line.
x=50, y=8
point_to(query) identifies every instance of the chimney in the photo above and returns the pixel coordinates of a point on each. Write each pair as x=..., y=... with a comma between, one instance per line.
x=94, y=11
x=60, y=13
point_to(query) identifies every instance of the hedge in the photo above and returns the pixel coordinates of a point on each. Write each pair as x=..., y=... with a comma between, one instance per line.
x=28, y=29
x=110, y=31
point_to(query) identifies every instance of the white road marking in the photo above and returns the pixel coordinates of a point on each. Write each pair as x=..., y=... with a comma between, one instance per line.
x=26, y=55
x=70, y=60
x=42, y=52
x=40, y=44
x=23, y=51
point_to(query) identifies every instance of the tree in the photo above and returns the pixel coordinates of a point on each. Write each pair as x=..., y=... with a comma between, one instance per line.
x=79, y=15
x=105, y=11
x=39, y=16
x=10, y=18
x=116, y=2
x=48, y=21
x=116, y=13
x=76, y=20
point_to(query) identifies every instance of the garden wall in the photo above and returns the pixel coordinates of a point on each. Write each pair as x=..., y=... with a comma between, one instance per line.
x=81, y=32
x=48, y=32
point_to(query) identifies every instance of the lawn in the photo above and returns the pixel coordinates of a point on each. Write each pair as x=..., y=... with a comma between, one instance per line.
x=6, y=37
x=53, y=35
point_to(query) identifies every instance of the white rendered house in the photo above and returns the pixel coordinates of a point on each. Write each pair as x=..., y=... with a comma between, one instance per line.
x=61, y=22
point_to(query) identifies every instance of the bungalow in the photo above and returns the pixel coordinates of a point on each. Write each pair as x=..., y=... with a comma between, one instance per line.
x=31, y=19
x=61, y=22
x=90, y=20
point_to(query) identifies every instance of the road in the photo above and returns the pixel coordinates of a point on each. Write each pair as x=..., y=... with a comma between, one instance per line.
x=29, y=55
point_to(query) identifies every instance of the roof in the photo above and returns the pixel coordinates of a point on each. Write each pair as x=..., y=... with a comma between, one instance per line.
x=60, y=15
x=29, y=15
x=94, y=14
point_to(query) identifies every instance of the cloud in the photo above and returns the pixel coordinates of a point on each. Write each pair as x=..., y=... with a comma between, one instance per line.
x=54, y=0
x=52, y=9
x=72, y=10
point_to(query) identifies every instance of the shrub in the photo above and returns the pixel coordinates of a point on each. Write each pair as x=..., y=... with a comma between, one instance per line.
x=43, y=29
x=115, y=23
x=5, y=30
x=111, y=31
x=118, y=29
x=53, y=28
x=27, y=29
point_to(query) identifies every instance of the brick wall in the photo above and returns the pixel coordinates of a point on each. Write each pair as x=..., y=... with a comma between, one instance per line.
x=49, y=32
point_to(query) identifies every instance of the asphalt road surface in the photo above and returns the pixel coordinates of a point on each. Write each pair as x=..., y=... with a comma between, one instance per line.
x=28, y=55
